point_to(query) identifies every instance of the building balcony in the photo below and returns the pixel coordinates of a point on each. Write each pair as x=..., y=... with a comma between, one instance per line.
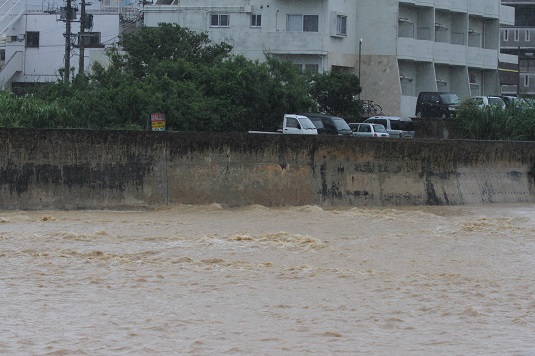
x=482, y=58
x=453, y=5
x=485, y=8
x=507, y=15
x=515, y=2
x=446, y=53
x=284, y=42
x=429, y=3
x=451, y=54
x=414, y=50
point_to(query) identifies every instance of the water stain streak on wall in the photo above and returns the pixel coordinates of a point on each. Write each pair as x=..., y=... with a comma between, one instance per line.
x=89, y=169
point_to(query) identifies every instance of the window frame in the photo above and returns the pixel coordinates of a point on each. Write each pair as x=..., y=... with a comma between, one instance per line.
x=220, y=16
x=302, y=22
x=317, y=24
x=90, y=39
x=256, y=20
x=311, y=68
x=292, y=122
x=32, y=39
x=341, y=25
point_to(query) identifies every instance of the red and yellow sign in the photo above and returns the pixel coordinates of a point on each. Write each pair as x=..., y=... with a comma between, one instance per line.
x=157, y=121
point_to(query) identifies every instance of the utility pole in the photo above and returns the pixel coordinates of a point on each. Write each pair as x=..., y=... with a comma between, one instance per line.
x=68, y=42
x=81, y=38
x=360, y=58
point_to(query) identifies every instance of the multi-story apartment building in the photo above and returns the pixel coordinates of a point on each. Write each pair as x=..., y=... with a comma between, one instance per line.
x=400, y=48
x=519, y=40
x=34, y=46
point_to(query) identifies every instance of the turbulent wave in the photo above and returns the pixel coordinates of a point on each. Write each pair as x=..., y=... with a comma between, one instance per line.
x=257, y=280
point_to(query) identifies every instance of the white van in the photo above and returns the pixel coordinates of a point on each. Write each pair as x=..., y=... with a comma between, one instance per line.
x=397, y=127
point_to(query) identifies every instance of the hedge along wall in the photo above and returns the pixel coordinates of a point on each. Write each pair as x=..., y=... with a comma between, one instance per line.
x=89, y=169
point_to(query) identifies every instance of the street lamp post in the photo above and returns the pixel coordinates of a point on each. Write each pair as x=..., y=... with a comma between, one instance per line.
x=518, y=74
x=360, y=57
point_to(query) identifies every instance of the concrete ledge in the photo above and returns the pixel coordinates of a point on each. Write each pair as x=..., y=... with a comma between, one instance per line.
x=86, y=169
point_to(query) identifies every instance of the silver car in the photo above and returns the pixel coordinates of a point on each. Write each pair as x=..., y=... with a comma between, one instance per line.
x=397, y=127
x=368, y=130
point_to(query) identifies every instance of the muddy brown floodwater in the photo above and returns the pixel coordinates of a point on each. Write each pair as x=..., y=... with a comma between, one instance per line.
x=206, y=280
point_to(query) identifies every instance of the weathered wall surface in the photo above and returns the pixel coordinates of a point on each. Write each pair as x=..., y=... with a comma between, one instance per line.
x=84, y=169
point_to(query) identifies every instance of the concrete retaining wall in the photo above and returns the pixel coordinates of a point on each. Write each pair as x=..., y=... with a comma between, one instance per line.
x=84, y=169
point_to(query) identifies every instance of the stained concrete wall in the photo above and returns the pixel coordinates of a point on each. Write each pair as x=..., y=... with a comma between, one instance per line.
x=84, y=169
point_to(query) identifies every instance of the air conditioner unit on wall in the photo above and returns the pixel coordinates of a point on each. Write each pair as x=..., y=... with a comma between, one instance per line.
x=440, y=27
x=404, y=20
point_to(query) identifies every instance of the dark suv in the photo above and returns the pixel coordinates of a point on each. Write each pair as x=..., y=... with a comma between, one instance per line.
x=437, y=104
x=329, y=124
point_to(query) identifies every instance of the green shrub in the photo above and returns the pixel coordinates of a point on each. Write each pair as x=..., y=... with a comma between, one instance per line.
x=494, y=123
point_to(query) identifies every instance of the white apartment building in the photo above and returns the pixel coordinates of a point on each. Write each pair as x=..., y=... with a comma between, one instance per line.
x=400, y=48
x=519, y=41
x=34, y=43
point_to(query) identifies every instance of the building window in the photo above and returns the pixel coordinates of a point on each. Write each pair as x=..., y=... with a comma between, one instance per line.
x=506, y=35
x=312, y=68
x=32, y=39
x=220, y=20
x=90, y=39
x=517, y=35
x=472, y=78
x=341, y=25
x=527, y=36
x=302, y=23
x=256, y=20
x=310, y=23
x=526, y=81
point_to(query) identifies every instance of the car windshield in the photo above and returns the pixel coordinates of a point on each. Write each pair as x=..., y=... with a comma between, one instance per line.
x=496, y=101
x=317, y=123
x=449, y=98
x=377, y=121
x=306, y=123
x=341, y=124
x=477, y=101
x=401, y=125
x=379, y=128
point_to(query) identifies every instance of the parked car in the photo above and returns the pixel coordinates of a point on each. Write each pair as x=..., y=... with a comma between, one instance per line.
x=294, y=125
x=329, y=124
x=396, y=127
x=513, y=101
x=487, y=101
x=437, y=104
x=368, y=130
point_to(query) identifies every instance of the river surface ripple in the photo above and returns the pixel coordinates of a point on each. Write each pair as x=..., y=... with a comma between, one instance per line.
x=206, y=280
